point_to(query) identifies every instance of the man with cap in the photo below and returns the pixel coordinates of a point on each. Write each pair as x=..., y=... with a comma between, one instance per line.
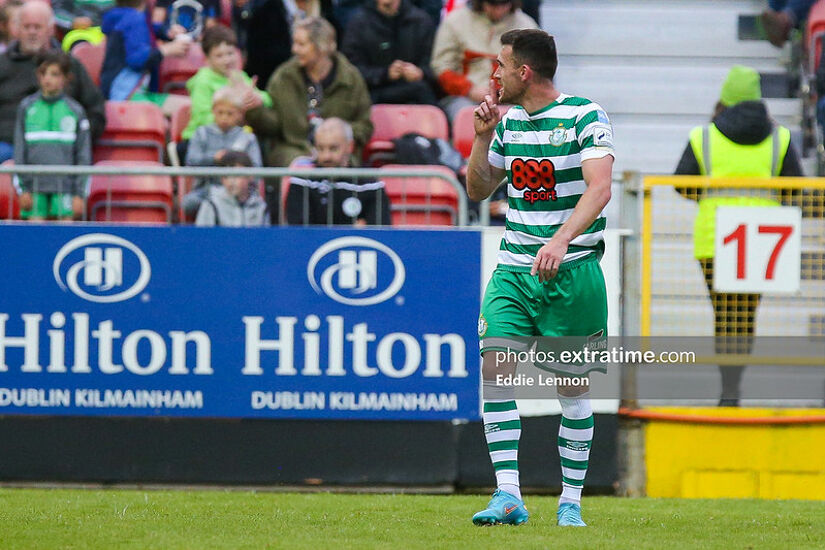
x=740, y=141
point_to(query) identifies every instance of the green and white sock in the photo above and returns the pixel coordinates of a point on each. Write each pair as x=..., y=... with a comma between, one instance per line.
x=575, y=439
x=502, y=429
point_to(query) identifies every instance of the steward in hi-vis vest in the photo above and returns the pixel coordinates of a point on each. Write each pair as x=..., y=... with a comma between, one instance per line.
x=740, y=141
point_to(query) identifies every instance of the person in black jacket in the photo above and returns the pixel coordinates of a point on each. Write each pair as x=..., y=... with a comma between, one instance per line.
x=390, y=42
x=18, y=77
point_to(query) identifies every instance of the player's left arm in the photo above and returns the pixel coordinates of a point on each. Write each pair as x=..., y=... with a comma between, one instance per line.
x=598, y=176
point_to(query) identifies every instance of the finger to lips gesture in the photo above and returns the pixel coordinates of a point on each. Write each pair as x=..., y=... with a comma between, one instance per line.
x=486, y=115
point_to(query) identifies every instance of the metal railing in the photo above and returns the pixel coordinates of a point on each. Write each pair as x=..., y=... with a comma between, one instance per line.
x=182, y=172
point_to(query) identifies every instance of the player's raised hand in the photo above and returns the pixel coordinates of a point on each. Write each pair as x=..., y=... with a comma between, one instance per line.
x=486, y=115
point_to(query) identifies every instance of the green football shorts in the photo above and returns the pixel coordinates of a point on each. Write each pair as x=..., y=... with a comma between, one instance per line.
x=46, y=205
x=517, y=308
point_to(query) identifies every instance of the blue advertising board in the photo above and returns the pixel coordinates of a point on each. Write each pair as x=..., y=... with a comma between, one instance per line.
x=218, y=322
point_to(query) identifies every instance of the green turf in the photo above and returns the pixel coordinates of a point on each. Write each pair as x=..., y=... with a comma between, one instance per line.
x=108, y=519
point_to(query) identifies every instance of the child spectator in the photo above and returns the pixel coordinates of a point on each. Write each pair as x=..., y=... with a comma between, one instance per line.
x=131, y=55
x=234, y=203
x=212, y=142
x=222, y=68
x=80, y=20
x=51, y=128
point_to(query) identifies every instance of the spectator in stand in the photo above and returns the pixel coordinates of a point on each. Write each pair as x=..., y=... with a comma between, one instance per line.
x=18, y=77
x=741, y=140
x=390, y=42
x=80, y=20
x=316, y=83
x=131, y=56
x=212, y=142
x=344, y=201
x=466, y=45
x=8, y=17
x=52, y=128
x=234, y=203
x=783, y=16
x=222, y=69
x=255, y=20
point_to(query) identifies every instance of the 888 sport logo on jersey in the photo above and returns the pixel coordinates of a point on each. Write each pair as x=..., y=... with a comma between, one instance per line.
x=536, y=178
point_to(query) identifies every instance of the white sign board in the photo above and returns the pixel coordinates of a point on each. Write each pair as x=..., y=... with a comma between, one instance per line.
x=758, y=249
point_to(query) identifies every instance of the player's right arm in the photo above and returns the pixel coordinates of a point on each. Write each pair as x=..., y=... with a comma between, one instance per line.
x=482, y=177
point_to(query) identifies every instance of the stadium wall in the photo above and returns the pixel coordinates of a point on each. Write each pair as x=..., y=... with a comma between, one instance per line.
x=68, y=415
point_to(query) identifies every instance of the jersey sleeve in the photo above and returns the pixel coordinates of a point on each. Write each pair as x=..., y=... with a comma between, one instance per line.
x=594, y=132
x=495, y=156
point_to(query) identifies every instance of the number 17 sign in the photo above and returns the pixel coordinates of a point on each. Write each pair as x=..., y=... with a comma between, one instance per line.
x=758, y=249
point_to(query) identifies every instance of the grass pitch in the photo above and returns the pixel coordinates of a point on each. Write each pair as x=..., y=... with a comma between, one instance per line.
x=113, y=519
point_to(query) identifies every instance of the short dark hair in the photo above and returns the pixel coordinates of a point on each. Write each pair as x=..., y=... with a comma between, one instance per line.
x=235, y=158
x=478, y=5
x=129, y=3
x=534, y=48
x=54, y=57
x=217, y=35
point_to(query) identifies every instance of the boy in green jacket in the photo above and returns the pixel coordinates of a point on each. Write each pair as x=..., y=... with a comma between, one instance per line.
x=220, y=45
x=51, y=128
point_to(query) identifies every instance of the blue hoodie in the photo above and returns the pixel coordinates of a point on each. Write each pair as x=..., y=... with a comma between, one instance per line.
x=130, y=51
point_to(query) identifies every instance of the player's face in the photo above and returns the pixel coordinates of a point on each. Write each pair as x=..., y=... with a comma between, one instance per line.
x=508, y=77
x=226, y=115
x=223, y=59
x=332, y=150
x=51, y=80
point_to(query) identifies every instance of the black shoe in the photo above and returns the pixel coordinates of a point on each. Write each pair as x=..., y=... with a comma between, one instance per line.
x=729, y=402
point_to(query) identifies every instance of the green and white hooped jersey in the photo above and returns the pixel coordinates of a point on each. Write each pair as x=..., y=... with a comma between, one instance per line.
x=542, y=153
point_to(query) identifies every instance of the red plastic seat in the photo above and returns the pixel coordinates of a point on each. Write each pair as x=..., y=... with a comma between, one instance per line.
x=175, y=71
x=463, y=130
x=91, y=57
x=815, y=31
x=393, y=121
x=421, y=200
x=9, y=201
x=130, y=198
x=135, y=130
x=178, y=122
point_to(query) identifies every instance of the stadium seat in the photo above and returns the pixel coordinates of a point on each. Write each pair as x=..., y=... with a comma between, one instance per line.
x=91, y=57
x=393, y=121
x=421, y=200
x=9, y=201
x=175, y=71
x=180, y=119
x=463, y=131
x=130, y=198
x=135, y=130
x=815, y=31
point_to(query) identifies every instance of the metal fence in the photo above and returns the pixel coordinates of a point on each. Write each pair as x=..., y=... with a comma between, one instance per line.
x=417, y=196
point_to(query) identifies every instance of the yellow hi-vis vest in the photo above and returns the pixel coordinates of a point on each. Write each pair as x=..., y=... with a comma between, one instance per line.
x=718, y=156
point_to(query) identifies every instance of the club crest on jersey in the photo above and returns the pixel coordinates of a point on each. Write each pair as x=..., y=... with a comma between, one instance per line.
x=558, y=136
x=482, y=326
